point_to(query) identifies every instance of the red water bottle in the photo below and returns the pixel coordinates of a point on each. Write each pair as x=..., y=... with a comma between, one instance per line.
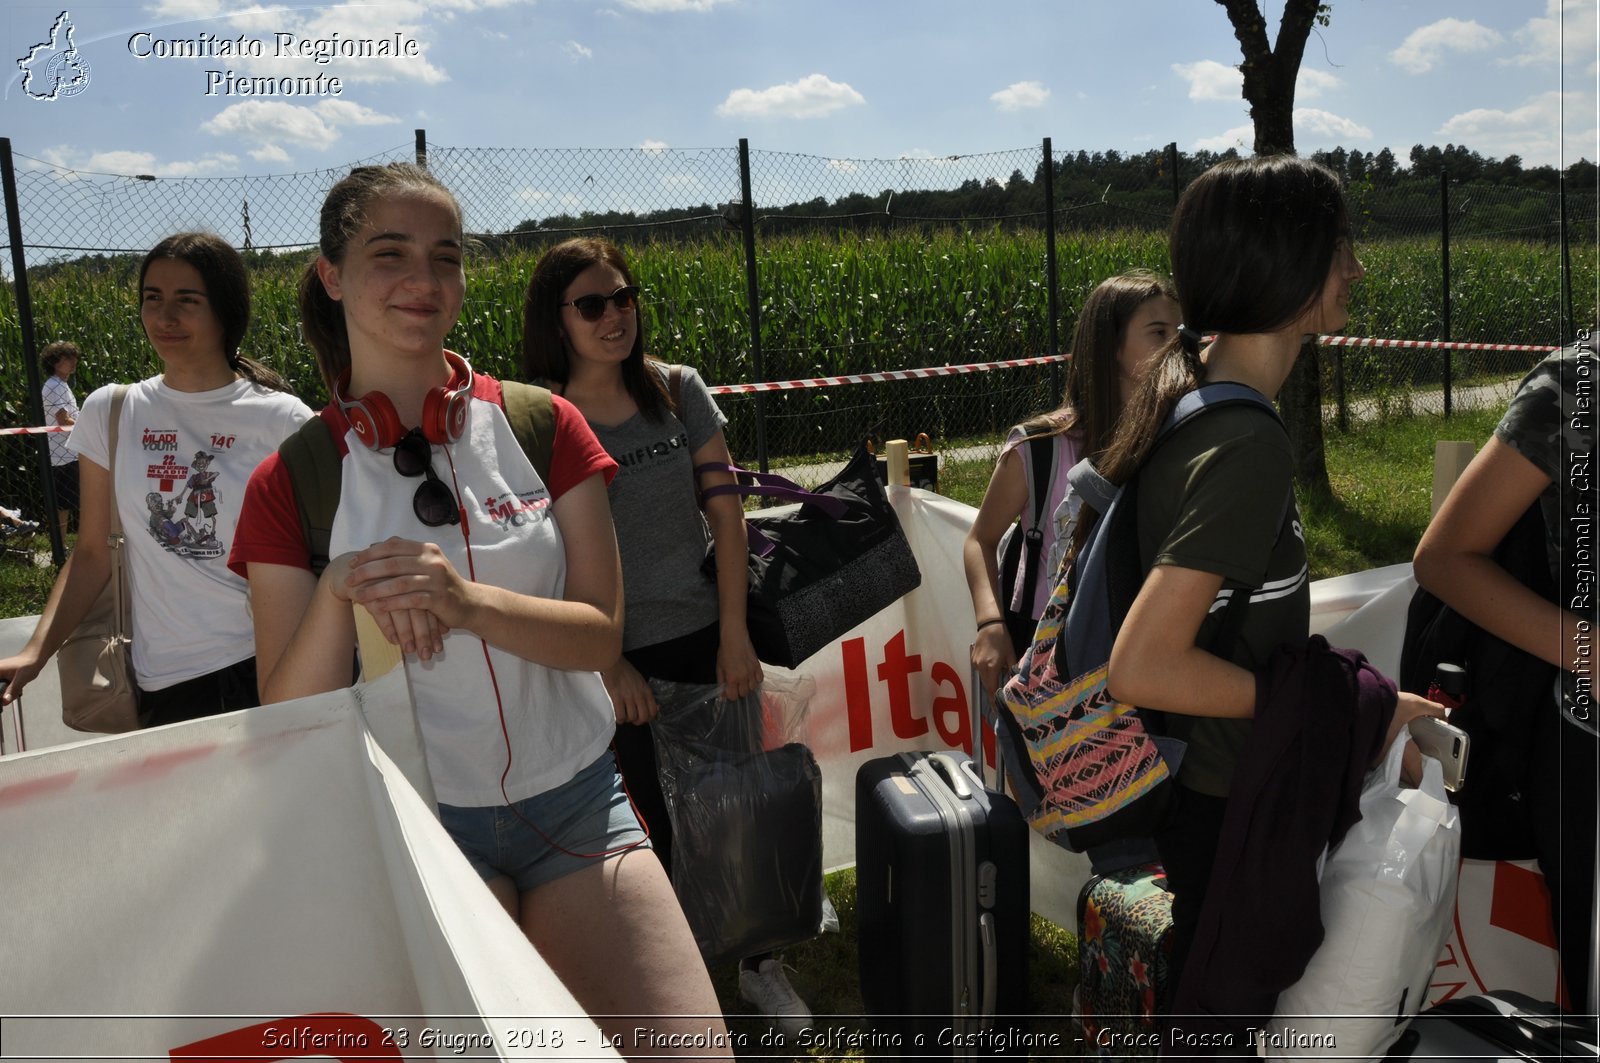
x=1449, y=686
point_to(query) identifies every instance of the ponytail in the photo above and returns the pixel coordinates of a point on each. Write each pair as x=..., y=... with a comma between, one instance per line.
x=322, y=325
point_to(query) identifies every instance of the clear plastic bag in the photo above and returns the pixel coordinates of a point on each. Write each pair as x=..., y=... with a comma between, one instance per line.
x=744, y=794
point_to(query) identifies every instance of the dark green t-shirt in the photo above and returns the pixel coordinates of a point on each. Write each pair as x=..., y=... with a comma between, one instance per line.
x=1215, y=497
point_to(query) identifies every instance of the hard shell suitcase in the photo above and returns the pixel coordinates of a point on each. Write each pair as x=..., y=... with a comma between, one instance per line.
x=942, y=900
x=1124, y=942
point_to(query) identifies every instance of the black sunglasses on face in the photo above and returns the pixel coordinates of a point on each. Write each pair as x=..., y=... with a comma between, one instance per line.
x=433, y=503
x=593, y=307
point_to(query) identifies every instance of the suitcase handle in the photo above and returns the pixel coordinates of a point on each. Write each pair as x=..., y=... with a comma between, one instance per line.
x=946, y=765
x=991, y=969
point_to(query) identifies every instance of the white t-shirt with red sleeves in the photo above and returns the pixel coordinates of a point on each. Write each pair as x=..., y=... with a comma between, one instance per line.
x=183, y=459
x=558, y=721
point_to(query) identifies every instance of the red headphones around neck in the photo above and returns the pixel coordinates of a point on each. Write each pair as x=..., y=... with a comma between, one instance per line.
x=444, y=410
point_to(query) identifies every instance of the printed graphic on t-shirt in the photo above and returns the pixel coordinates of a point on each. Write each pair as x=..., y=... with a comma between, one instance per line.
x=651, y=452
x=514, y=511
x=192, y=531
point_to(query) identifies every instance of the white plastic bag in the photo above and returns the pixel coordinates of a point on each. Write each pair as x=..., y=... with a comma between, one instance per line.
x=1388, y=892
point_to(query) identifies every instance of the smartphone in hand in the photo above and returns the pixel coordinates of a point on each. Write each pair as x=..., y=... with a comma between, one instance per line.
x=1445, y=743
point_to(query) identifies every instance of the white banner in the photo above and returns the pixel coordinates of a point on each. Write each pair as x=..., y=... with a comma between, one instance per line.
x=260, y=885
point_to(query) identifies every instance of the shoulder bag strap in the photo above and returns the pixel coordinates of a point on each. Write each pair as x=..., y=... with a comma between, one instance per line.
x=1041, y=461
x=114, y=536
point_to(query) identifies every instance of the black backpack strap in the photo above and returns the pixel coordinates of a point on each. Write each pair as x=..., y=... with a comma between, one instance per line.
x=314, y=468
x=1042, y=466
x=533, y=421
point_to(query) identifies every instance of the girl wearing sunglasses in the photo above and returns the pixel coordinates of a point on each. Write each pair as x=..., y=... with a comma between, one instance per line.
x=582, y=337
x=191, y=623
x=502, y=590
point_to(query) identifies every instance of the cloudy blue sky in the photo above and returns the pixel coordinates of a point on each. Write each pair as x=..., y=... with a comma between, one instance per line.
x=845, y=79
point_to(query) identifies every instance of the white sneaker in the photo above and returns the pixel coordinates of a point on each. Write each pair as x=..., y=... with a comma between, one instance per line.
x=773, y=996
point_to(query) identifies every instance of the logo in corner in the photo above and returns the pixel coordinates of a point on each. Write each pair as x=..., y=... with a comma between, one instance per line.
x=55, y=69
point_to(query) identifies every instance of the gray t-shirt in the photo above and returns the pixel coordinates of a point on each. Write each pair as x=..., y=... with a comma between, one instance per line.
x=661, y=532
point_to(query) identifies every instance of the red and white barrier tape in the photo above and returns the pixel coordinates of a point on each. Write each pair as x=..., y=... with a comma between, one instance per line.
x=33, y=431
x=1441, y=345
x=1016, y=363
x=878, y=378
x=1010, y=363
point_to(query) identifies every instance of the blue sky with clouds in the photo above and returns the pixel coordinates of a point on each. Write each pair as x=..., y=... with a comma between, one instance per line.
x=861, y=79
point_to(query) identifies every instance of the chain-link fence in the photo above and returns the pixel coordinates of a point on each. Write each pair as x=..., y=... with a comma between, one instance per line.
x=765, y=266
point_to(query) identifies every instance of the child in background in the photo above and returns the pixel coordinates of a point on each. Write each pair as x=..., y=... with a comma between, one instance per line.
x=1124, y=323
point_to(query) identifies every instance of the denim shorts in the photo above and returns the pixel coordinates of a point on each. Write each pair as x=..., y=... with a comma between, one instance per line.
x=549, y=835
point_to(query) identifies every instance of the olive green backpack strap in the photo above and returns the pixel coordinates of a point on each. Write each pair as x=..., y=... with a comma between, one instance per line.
x=533, y=422
x=675, y=389
x=314, y=467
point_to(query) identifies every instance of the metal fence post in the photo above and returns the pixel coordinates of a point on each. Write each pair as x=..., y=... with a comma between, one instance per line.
x=422, y=148
x=1172, y=168
x=1052, y=303
x=30, y=349
x=752, y=289
x=1444, y=263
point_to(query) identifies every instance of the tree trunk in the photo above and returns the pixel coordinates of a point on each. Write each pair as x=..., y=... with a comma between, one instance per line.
x=1269, y=86
x=1300, y=402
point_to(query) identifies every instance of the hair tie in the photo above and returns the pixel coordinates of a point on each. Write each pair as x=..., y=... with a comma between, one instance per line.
x=1190, y=338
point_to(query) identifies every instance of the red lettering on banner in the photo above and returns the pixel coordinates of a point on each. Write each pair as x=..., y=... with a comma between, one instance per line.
x=950, y=711
x=895, y=671
x=328, y=1035
x=857, y=699
x=950, y=706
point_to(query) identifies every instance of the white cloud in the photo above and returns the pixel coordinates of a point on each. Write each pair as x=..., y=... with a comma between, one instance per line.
x=656, y=7
x=1429, y=45
x=270, y=153
x=410, y=19
x=1241, y=138
x=1020, y=95
x=812, y=96
x=1211, y=80
x=1323, y=123
x=541, y=198
x=679, y=181
x=1310, y=124
x=1572, y=23
x=1532, y=131
x=576, y=51
x=653, y=147
x=1313, y=83
x=272, y=123
x=843, y=165
x=142, y=162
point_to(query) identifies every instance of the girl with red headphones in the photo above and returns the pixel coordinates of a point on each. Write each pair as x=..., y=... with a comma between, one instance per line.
x=504, y=592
